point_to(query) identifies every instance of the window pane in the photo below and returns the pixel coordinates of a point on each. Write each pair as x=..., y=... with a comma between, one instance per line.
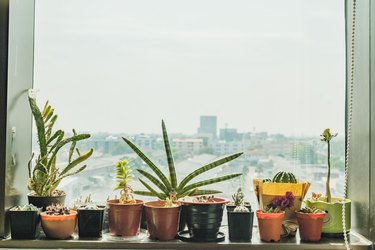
x=263, y=77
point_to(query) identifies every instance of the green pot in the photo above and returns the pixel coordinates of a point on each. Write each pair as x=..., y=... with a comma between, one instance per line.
x=332, y=223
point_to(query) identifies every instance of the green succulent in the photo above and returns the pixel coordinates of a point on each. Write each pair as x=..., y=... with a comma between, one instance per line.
x=124, y=177
x=45, y=176
x=169, y=183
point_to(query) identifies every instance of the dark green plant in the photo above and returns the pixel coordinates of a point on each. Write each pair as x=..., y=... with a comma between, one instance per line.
x=284, y=177
x=27, y=207
x=168, y=184
x=311, y=210
x=45, y=176
x=327, y=137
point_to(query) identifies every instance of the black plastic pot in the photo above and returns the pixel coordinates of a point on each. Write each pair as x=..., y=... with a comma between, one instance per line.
x=204, y=219
x=240, y=225
x=90, y=222
x=182, y=223
x=45, y=201
x=24, y=224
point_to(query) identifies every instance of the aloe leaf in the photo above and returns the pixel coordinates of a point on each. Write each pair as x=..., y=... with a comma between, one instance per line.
x=209, y=181
x=146, y=193
x=57, y=182
x=77, y=161
x=39, y=125
x=160, y=196
x=149, y=163
x=72, y=147
x=198, y=192
x=54, y=136
x=50, y=126
x=155, y=181
x=168, y=151
x=207, y=167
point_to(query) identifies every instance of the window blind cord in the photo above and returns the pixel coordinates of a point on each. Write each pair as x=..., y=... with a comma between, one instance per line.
x=349, y=120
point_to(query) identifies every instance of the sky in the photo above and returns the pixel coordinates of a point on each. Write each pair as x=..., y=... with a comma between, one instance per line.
x=121, y=66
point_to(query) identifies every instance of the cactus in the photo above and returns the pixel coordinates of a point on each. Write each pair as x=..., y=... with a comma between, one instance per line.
x=327, y=137
x=45, y=177
x=27, y=207
x=311, y=210
x=168, y=184
x=124, y=177
x=284, y=177
x=238, y=198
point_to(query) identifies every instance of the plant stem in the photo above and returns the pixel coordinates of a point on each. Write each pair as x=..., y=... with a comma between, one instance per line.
x=328, y=189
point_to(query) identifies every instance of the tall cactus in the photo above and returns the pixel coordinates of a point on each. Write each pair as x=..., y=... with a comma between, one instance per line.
x=44, y=177
x=327, y=137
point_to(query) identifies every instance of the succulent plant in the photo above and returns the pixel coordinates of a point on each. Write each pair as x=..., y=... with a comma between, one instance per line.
x=45, y=176
x=280, y=203
x=57, y=209
x=124, y=177
x=311, y=210
x=238, y=197
x=284, y=177
x=326, y=136
x=168, y=183
x=27, y=207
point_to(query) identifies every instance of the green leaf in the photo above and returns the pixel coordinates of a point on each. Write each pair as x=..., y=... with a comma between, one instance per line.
x=155, y=181
x=145, y=193
x=149, y=163
x=77, y=161
x=39, y=125
x=207, y=167
x=209, y=181
x=160, y=196
x=168, y=151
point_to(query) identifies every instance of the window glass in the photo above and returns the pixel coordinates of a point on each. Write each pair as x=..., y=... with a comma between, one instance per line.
x=262, y=77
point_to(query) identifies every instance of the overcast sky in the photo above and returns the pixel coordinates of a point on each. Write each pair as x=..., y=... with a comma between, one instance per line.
x=122, y=66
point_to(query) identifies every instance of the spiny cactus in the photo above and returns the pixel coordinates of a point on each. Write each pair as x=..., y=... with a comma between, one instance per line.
x=124, y=177
x=45, y=176
x=311, y=210
x=238, y=197
x=284, y=177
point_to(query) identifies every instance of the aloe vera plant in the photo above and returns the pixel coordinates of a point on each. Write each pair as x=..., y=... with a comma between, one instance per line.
x=169, y=184
x=45, y=176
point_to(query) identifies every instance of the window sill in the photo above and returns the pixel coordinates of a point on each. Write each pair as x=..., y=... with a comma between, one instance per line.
x=142, y=242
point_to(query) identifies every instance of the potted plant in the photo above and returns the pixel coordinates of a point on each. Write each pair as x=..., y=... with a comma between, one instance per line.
x=24, y=222
x=162, y=219
x=124, y=213
x=168, y=184
x=203, y=216
x=45, y=176
x=240, y=219
x=333, y=206
x=271, y=217
x=58, y=222
x=236, y=198
x=310, y=222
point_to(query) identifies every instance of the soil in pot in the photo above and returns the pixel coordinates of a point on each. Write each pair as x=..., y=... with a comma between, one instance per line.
x=45, y=201
x=124, y=219
x=270, y=225
x=310, y=226
x=162, y=221
x=240, y=225
x=204, y=218
x=90, y=222
x=59, y=226
x=24, y=224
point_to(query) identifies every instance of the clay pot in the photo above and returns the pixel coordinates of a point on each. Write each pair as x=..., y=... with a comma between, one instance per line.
x=310, y=226
x=204, y=219
x=124, y=219
x=162, y=222
x=45, y=201
x=270, y=225
x=58, y=226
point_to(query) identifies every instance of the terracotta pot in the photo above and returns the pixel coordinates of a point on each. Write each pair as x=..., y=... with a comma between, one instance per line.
x=124, y=219
x=204, y=219
x=310, y=226
x=45, y=201
x=270, y=225
x=58, y=226
x=162, y=222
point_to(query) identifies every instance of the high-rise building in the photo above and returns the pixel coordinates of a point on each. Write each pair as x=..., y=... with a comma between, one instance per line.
x=208, y=126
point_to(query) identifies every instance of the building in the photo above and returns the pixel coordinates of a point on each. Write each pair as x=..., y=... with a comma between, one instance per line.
x=187, y=145
x=208, y=126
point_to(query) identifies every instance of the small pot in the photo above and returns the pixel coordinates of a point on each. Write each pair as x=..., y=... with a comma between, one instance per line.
x=270, y=225
x=59, y=226
x=240, y=225
x=24, y=224
x=162, y=222
x=45, y=201
x=124, y=219
x=90, y=222
x=310, y=225
x=204, y=219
